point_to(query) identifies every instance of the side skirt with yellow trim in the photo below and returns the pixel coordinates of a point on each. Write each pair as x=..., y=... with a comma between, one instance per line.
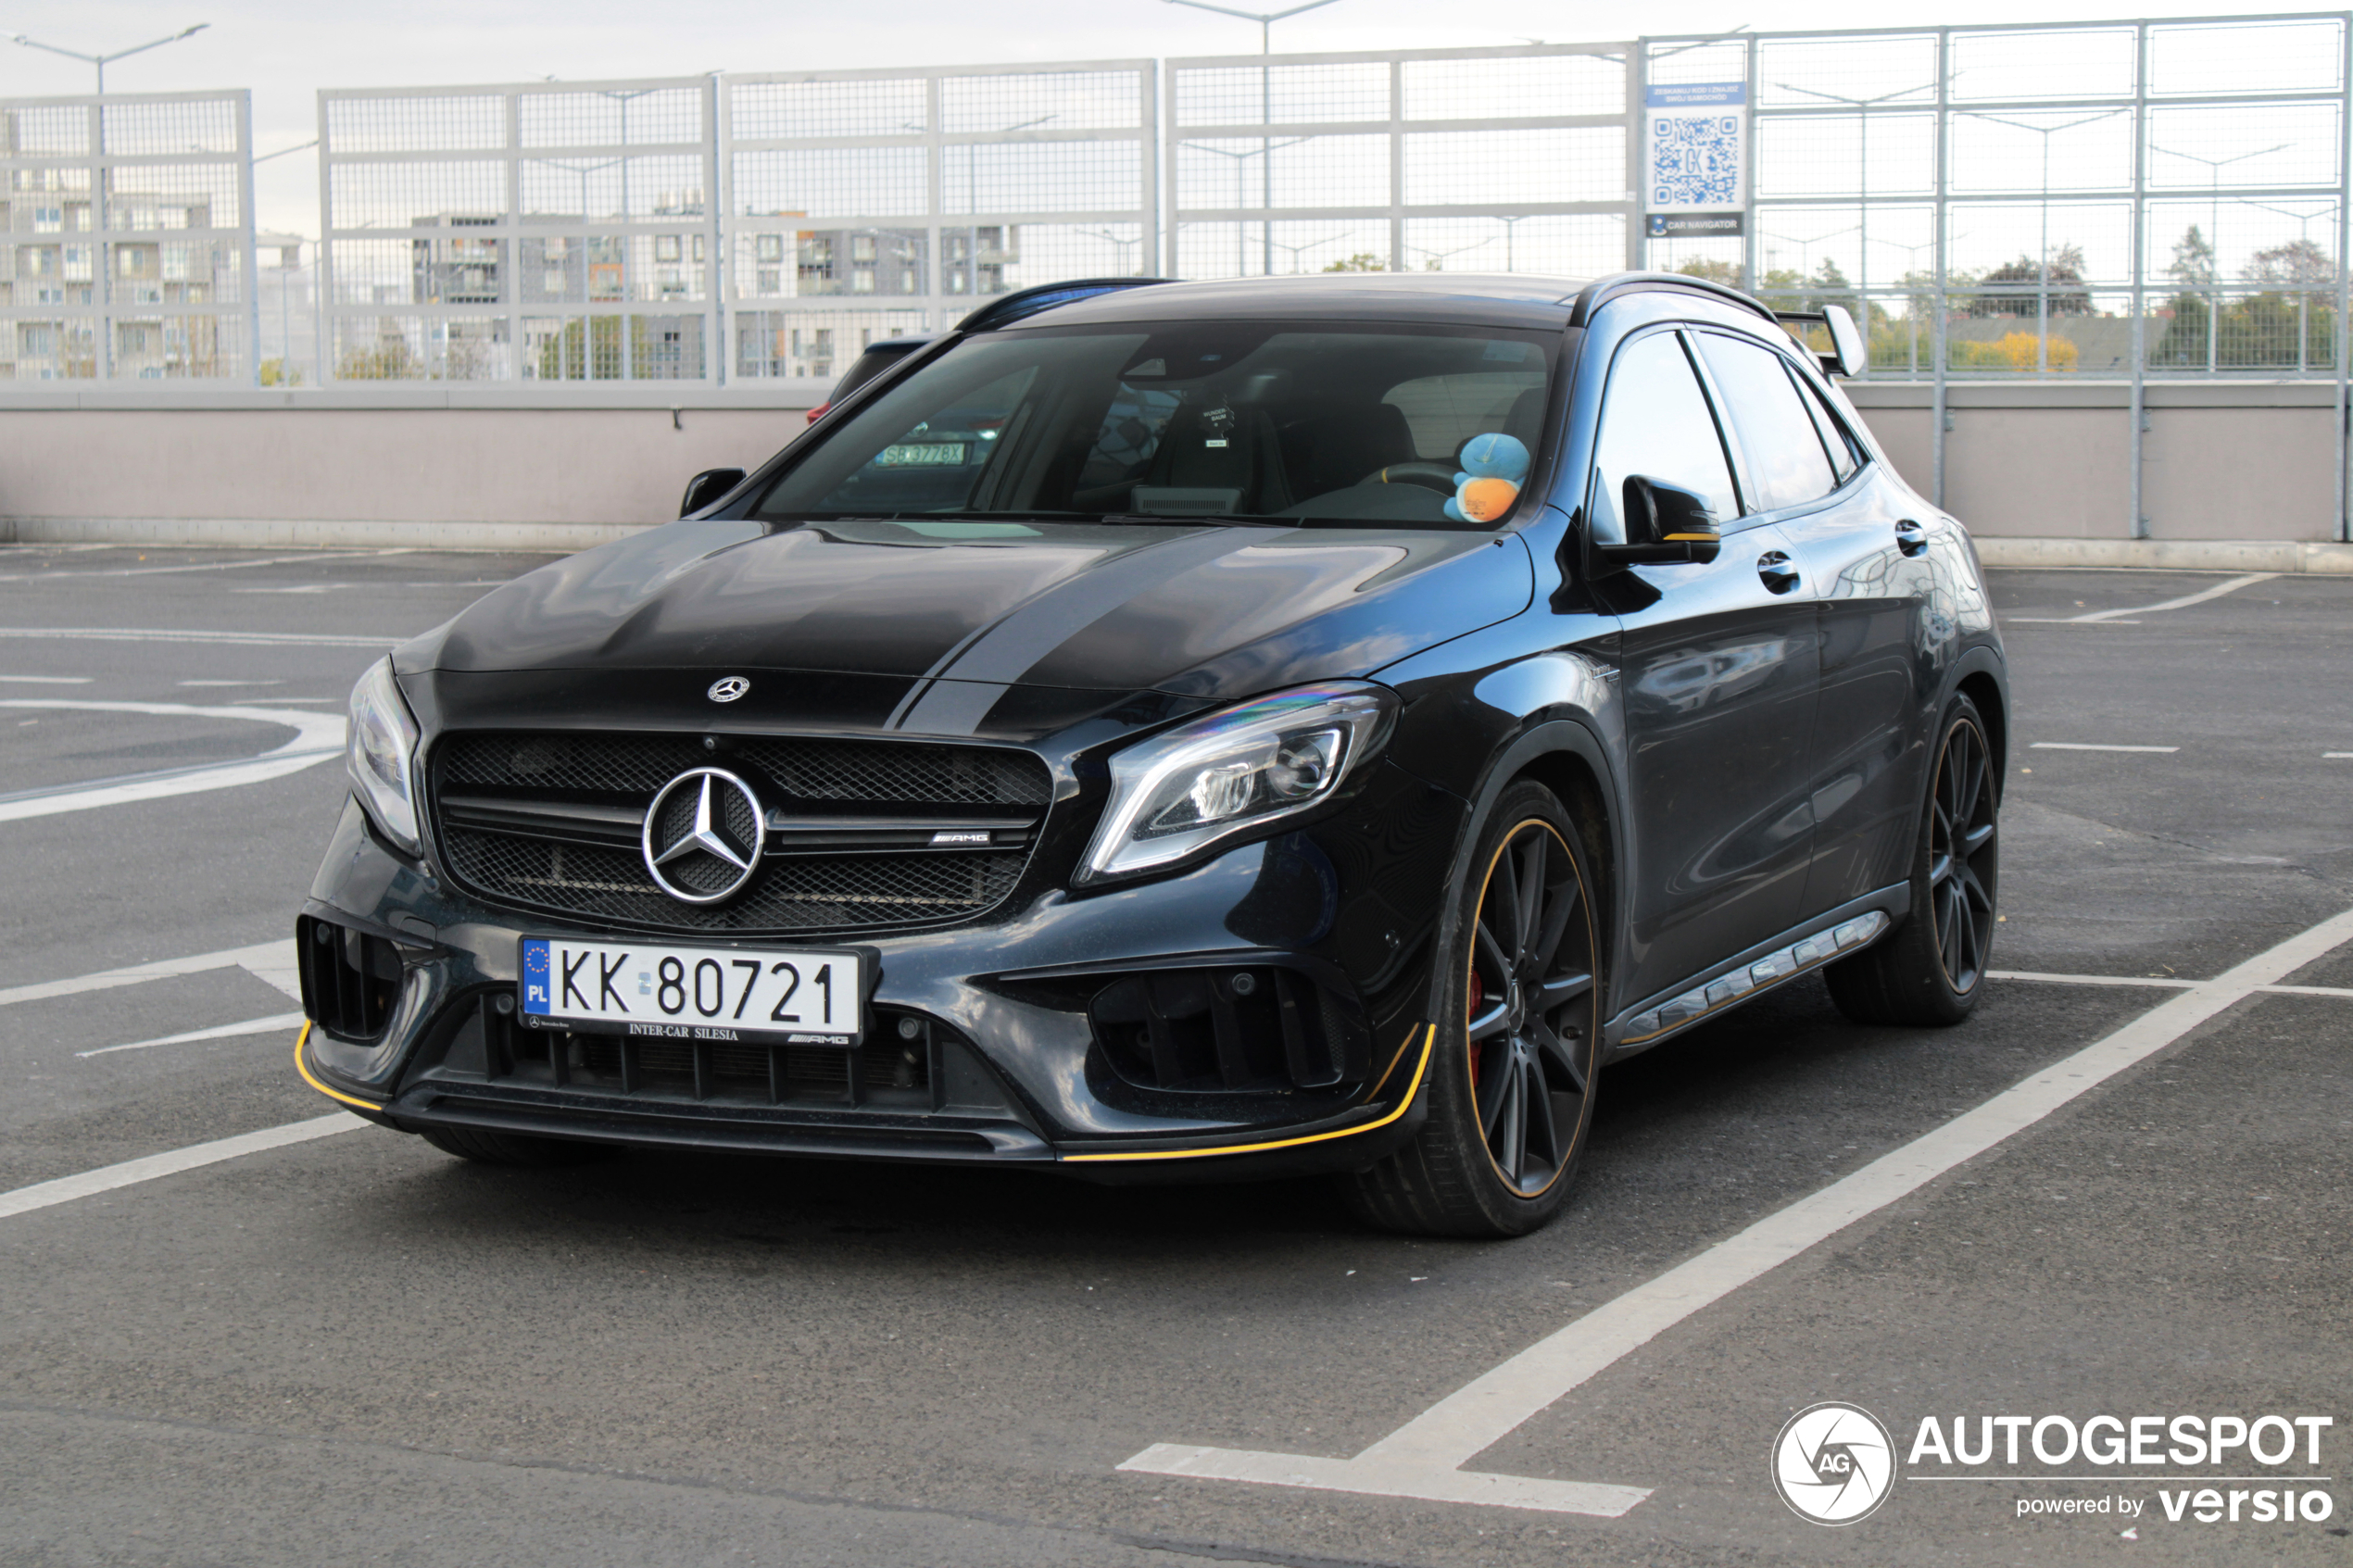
x=1404, y=1103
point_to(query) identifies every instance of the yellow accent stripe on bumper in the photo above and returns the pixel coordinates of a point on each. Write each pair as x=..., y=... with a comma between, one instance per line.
x=310, y=1078
x=1429, y=1041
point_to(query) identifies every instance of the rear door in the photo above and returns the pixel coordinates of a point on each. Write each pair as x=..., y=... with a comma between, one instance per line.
x=1868, y=577
x=1719, y=681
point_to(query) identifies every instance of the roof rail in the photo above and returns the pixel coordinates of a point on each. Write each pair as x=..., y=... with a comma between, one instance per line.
x=1603, y=290
x=1006, y=309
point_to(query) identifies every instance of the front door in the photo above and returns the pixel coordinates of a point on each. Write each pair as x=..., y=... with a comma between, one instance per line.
x=1720, y=679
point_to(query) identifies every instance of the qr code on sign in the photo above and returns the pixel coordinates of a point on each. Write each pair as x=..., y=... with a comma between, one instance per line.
x=1695, y=160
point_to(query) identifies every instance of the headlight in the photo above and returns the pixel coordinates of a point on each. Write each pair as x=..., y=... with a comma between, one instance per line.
x=1233, y=772
x=381, y=748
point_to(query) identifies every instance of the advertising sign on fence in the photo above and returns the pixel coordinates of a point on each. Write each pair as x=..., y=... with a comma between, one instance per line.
x=1694, y=158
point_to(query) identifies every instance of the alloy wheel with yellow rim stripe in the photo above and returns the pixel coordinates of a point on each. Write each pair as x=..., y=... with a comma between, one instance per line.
x=1528, y=1008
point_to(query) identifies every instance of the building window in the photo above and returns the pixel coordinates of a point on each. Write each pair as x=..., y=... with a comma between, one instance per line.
x=862, y=247
x=665, y=247
x=772, y=280
x=772, y=247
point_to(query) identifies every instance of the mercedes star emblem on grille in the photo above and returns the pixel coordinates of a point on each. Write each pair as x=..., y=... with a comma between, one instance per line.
x=703, y=836
x=727, y=688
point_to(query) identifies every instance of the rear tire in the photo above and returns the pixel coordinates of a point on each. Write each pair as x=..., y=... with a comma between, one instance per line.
x=515, y=1148
x=1931, y=970
x=1512, y=1069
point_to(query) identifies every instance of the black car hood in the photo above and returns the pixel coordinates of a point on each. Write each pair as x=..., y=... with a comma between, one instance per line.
x=1200, y=613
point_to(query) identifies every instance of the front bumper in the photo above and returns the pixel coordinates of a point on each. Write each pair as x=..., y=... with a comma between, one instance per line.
x=979, y=1045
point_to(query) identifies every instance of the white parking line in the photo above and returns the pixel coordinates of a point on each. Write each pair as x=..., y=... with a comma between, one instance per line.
x=65, y=1189
x=272, y=961
x=44, y=680
x=317, y=737
x=2079, y=746
x=2336, y=754
x=224, y=639
x=2110, y=616
x=1424, y=1458
x=199, y=566
x=2167, y=981
x=218, y=1032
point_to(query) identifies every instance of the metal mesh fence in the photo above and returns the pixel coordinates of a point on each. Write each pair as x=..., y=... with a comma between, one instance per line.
x=867, y=205
x=130, y=238
x=2111, y=200
x=456, y=222
x=1468, y=160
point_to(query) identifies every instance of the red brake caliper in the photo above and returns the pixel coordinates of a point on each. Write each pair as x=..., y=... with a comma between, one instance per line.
x=1478, y=1002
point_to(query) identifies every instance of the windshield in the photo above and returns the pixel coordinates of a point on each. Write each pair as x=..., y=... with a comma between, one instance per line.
x=1243, y=421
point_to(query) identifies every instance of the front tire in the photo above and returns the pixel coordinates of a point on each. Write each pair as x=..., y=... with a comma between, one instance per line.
x=1932, y=969
x=1517, y=1042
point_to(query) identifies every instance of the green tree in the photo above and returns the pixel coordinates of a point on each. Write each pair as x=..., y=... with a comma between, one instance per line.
x=1363, y=261
x=2065, y=294
x=2193, y=265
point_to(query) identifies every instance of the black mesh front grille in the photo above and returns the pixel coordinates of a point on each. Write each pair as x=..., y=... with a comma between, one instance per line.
x=787, y=893
x=864, y=772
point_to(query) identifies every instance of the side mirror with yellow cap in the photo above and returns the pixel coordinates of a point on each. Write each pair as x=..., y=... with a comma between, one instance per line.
x=1665, y=524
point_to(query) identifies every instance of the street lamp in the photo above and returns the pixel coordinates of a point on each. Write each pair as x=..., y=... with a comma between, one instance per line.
x=1862, y=108
x=1266, y=21
x=102, y=61
x=2303, y=289
x=2042, y=265
x=1309, y=246
x=1265, y=149
x=2214, y=167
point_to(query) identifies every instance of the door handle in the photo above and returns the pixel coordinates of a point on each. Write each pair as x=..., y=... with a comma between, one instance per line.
x=1779, y=573
x=1910, y=537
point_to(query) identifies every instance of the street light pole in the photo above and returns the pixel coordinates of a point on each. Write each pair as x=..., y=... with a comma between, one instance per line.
x=2214, y=167
x=105, y=194
x=1266, y=21
x=102, y=61
x=2042, y=265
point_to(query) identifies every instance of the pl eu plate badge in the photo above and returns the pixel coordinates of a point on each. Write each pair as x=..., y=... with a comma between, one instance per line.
x=535, y=977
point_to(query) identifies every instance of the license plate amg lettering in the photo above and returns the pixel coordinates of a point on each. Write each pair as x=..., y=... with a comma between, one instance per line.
x=798, y=998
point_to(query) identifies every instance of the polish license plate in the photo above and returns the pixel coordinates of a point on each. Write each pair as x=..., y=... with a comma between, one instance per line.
x=800, y=997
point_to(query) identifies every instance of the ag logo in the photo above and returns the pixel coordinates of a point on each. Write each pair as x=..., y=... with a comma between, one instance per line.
x=1833, y=1463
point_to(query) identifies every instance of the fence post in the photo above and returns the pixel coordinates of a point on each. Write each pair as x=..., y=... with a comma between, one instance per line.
x=2139, y=523
x=1944, y=238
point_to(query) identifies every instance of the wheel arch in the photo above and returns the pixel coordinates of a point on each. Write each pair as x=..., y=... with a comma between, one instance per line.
x=1566, y=758
x=1980, y=677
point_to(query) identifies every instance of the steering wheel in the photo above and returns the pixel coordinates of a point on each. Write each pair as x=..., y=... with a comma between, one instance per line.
x=1429, y=476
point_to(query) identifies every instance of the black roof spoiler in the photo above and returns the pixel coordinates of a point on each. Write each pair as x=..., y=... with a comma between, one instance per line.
x=1006, y=309
x=1603, y=290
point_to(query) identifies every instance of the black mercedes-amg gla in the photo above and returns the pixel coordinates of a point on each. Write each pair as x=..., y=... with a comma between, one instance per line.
x=1189, y=729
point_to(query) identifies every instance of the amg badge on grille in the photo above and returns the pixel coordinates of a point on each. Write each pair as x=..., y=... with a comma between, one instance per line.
x=703, y=836
x=727, y=688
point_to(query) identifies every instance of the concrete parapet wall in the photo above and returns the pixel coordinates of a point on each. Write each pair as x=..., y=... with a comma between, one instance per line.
x=2241, y=462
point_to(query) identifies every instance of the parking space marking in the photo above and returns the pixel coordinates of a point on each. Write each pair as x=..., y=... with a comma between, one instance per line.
x=2167, y=981
x=218, y=1032
x=106, y=1178
x=2335, y=754
x=224, y=639
x=271, y=962
x=317, y=737
x=44, y=680
x=2081, y=745
x=198, y=566
x=2110, y=617
x=1424, y=1458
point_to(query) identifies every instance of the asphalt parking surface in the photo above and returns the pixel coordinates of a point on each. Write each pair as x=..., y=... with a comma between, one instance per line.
x=355, y=1349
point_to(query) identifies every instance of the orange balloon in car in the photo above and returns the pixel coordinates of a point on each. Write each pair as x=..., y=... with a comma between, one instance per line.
x=1484, y=500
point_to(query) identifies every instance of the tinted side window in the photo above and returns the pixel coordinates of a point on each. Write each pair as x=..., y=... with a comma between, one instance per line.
x=1786, y=463
x=1656, y=422
x=1844, y=457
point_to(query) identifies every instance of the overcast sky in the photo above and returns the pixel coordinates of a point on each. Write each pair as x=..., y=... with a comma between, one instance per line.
x=285, y=50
